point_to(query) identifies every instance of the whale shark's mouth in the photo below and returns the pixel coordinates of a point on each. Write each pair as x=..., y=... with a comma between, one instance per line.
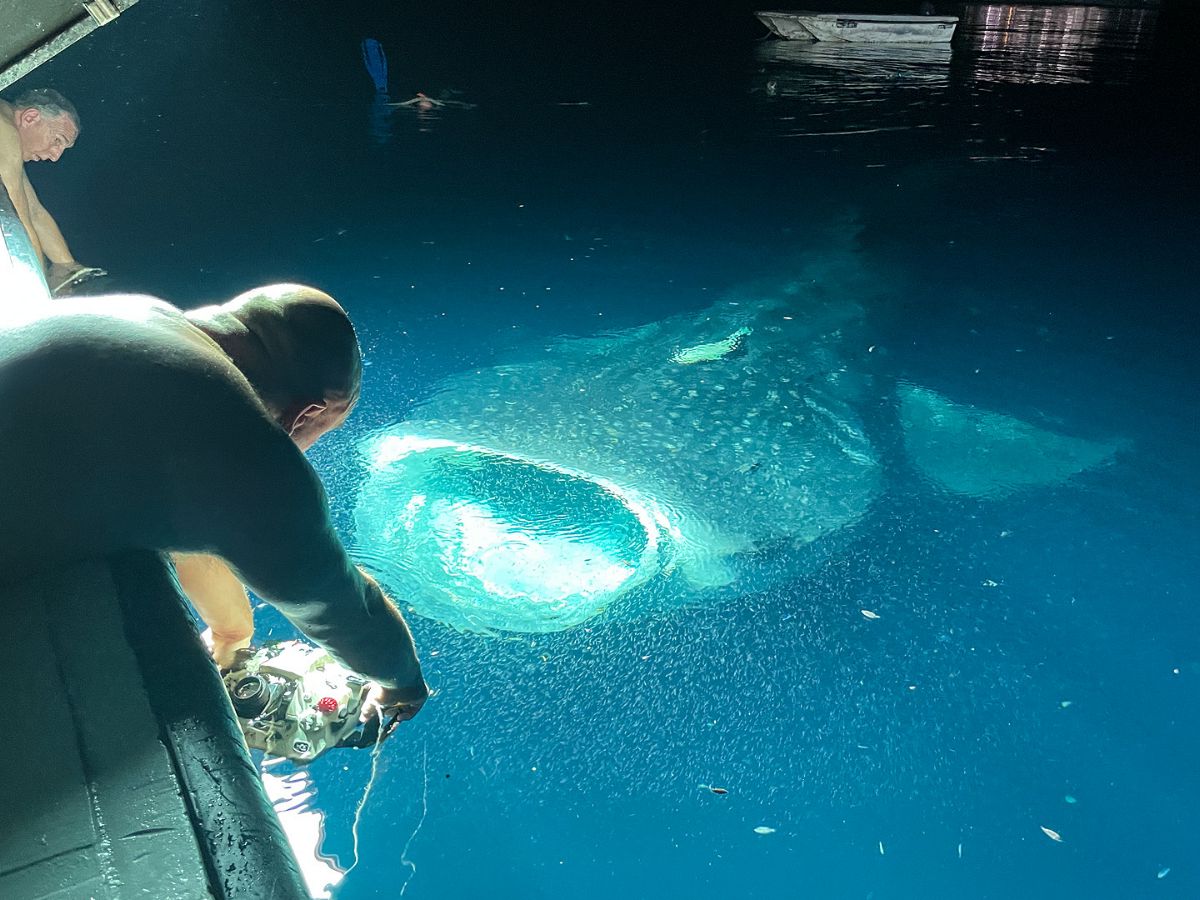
x=486, y=541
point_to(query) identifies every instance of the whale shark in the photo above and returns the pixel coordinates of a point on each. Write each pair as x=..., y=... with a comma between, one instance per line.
x=636, y=470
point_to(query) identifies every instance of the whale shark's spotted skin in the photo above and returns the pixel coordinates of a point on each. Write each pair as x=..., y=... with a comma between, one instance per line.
x=708, y=466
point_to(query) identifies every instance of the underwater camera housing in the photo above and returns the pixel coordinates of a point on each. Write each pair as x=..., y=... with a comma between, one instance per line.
x=296, y=701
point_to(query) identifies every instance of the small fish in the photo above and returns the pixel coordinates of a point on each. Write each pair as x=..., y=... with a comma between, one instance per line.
x=715, y=790
x=1065, y=703
x=960, y=851
x=881, y=848
x=1052, y=834
x=1164, y=871
x=867, y=614
x=1069, y=798
x=764, y=829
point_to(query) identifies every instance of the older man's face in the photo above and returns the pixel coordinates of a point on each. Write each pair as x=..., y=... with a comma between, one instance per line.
x=45, y=137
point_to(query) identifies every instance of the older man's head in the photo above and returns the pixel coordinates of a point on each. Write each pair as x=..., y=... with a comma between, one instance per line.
x=47, y=124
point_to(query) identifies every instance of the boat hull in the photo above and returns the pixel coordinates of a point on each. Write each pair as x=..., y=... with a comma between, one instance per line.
x=860, y=29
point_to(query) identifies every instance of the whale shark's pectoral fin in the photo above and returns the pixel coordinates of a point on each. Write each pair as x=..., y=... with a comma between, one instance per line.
x=703, y=554
x=987, y=454
x=705, y=571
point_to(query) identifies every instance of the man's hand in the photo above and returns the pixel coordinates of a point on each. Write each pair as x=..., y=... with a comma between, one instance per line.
x=223, y=647
x=401, y=703
x=62, y=277
x=220, y=600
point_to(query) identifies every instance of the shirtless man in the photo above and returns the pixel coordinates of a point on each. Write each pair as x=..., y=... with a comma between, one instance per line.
x=126, y=423
x=39, y=125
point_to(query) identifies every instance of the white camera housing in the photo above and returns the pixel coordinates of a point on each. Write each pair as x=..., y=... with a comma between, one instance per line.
x=294, y=700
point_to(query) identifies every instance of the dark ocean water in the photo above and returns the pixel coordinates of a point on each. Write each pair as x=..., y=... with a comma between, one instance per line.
x=1032, y=199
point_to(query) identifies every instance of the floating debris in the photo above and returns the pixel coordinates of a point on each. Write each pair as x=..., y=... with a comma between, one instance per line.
x=1164, y=871
x=960, y=851
x=1069, y=798
x=1065, y=703
x=867, y=614
x=764, y=829
x=1052, y=834
x=881, y=848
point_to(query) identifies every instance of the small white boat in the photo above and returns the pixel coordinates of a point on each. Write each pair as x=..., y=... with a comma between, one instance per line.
x=811, y=26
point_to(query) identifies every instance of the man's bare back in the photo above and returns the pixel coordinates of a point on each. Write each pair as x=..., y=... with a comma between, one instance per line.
x=125, y=425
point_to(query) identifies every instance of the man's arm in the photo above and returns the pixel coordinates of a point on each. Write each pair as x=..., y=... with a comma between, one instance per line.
x=250, y=497
x=12, y=174
x=221, y=601
x=54, y=245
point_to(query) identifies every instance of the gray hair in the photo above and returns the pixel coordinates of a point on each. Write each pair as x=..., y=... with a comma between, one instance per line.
x=50, y=103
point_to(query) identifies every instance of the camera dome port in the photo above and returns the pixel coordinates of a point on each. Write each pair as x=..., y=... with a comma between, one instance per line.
x=250, y=696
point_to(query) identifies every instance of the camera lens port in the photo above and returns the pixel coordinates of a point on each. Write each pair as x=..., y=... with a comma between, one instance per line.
x=250, y=696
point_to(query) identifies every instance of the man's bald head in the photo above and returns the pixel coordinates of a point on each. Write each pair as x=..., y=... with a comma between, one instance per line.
x=296, y=346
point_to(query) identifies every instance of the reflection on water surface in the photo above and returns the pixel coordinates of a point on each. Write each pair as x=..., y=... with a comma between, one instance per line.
x=1054, y=44
x=931, y=100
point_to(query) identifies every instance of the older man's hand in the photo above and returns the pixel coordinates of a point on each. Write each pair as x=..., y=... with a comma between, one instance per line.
x=62, y=277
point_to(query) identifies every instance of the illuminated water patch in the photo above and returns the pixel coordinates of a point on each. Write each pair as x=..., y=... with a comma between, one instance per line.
x=484, y=541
